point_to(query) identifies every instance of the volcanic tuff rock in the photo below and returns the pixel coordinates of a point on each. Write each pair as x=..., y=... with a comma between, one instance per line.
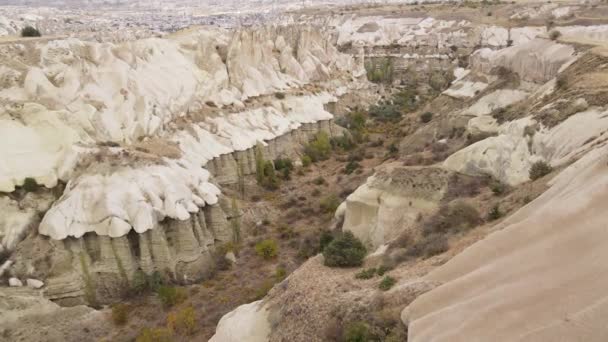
x=138, y=130
x=548, y=255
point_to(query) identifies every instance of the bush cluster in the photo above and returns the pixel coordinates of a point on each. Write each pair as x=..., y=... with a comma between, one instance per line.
x=387, y=283
x=182, y=322
x=30, y=31
x=267, y=249
x=319, y=148
x=454, y=217
x=171, y=296
x=539, y=170
x=329, y=203
x=344, y=251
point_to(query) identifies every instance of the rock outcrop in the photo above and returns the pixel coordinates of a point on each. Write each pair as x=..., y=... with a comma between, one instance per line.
x=144, y=134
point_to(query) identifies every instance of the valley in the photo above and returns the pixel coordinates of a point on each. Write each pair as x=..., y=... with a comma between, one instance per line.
x=354, y=172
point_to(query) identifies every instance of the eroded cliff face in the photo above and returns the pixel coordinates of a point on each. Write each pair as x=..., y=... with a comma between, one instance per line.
x=143, y=134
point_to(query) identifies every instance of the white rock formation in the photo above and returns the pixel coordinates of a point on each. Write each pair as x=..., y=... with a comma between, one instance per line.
x=88, y=92
x=539, y=277
x=520, y=143
x=495, y=100
x=14, y=282
x=538, y=60
x=34, y=283
x=391, y=201
x=248, y=322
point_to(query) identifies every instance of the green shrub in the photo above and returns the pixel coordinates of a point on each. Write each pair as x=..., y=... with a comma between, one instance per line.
x=540, y=169
x=139, y=284
x=426, y=117
x=561, y=82
x=30, y=31
x=171, y=296
x=351, y=167
x=267, y=249
x=386, y=283
x=383, y=269
x=280, y=96
x=329, y=203
x=344, y=251
x=553, y=35
x=319, y=181
x=344, y=142
x=319, y=148
x=385, y=111
x=30, y=185
x=280, y=274
x=306, y=161
x=356, y=332
x=325, y=239
x=498, y=188
x=284, y=166
x=367, y=273
x=154, y=335
x=120, y=313
x=380, y=71
x=495, y=213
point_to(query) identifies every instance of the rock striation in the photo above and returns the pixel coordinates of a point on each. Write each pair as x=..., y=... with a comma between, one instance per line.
x=144, y=134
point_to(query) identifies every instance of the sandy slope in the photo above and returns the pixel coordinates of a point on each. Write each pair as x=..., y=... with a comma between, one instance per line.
x=543, y=277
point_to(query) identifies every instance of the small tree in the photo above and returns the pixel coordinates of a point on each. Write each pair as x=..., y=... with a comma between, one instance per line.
x=540, y=169
x=386, y=283
x=426, y=117
x=553, y=35
x=344, y=251
x=30, y=31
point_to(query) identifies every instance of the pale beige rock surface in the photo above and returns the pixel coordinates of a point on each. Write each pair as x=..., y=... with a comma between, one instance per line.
x=539, y=278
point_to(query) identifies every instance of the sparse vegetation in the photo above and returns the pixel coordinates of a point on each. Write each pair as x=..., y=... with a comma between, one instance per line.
x=329, y=203
x=380, y=71
x=267, y=249
x=387, y=283
x=306, y=161
x=495, y=213
x=553, y=35
x=428, y=246
x=319, y=148
x=280, y=95
x=325, y=238
x=351, y=167
x=455, y=217
x=171, y=296
x=182, y=322
x=30, y=31
x=426, y=117
x=539, y=170
x=29, y=184
x=344, y=251
x=154, y=335
x=120, y=313
x=356, y=332
x=367, y=273
x=498, y=188
x=284, y=166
